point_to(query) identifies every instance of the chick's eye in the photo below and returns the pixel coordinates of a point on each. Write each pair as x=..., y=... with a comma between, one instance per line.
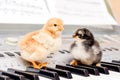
x=80, y=35
x=55, y=25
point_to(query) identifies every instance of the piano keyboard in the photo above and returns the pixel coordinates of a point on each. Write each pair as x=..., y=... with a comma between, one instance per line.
x=12, y=67
x=62, y=73
x=15, y=68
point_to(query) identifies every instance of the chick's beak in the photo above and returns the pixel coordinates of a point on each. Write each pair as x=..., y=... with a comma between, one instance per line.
x=74, y=36
x=61, y=28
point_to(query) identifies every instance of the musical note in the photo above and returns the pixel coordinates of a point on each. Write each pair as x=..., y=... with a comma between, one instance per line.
x=70, y=11
x=23, y=7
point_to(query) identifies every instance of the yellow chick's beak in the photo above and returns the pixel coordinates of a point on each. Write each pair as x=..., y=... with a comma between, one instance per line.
x=61, y=28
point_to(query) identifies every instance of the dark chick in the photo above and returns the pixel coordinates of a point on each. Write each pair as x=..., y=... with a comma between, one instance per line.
x=85, y=48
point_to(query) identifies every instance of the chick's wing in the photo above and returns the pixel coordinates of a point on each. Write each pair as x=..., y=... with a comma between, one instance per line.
x=44, y=39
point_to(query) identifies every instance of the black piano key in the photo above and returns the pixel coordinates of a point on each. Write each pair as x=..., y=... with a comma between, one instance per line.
x=115, y=49
x=103, y=50
x=78, y=71
x=51, y=53
x=62, y=52
x=30, y=76
x=44, y=73
x=9, y=53
x=101, y=69
x=66, y=51
x=116, y=61
x=108, y=49
x=2, y=77
x=13, y=76
x=60, y=72
x=91, y=70
x=1, y=55
x=112, y=67
x=111, y=63
x=49, y=57
x=18, y=53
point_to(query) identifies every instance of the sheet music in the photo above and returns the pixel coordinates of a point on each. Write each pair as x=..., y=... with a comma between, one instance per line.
x=70, y=11
x=83, y=12
x=23, y=11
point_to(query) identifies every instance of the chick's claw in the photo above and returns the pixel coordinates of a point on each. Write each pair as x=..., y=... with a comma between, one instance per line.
x=35, y=65
x=39, y=65
x=98, y=64
x=74, y=62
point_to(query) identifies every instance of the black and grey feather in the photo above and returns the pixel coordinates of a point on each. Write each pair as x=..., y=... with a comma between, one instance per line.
x=85, y=48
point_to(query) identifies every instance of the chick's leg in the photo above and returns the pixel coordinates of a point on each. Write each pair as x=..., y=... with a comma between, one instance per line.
x=39, y=54
x=39, y=65
x=98, y=64
x=74, y=62
x=35, y=65
x=42, y=64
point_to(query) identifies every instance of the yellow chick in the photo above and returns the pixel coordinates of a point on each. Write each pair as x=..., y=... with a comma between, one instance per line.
x=37, y=45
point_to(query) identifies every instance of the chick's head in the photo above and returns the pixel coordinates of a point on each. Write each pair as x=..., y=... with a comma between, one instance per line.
x=83, y=34
x=54, y=25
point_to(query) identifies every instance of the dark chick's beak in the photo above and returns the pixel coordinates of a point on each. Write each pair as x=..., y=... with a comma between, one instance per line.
x=74, y=36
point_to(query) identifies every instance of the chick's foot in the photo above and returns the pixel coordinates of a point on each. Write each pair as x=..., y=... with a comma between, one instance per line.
x=39, y=65
x=74, y=62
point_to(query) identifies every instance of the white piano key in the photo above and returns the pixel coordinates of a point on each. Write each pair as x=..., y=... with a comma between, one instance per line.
x=43, y=78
